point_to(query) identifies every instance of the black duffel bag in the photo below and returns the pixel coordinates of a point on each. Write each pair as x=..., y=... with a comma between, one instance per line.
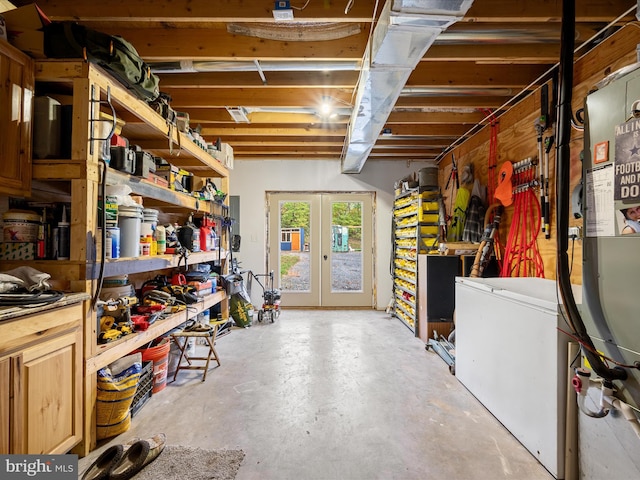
x=111, y=52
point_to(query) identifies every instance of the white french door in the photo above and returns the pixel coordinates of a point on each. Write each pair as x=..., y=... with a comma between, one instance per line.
x=321, y=248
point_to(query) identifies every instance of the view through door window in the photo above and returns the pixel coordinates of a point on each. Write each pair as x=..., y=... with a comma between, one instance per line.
x=295, y=246
x=346, y=246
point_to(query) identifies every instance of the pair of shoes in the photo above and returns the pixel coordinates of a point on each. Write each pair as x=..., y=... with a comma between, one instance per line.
x=122, y=462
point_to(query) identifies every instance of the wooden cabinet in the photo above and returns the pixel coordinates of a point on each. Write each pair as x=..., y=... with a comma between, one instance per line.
x=41, y=374
x=16, y=94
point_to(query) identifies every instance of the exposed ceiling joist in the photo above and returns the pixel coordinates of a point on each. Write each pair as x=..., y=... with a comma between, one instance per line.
x=476, y=65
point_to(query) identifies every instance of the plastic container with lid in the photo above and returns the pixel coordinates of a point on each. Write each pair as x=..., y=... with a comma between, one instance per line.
x=129, y=221
x=21, y=226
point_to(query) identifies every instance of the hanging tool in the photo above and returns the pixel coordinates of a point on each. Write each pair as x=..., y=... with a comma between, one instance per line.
x=454, y=173
x=546, y=212
x=541, y=124
x=540, y=130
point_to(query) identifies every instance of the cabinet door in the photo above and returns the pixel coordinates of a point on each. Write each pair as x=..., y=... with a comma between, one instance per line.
x=16, y=93
x=5, y=405
x=48, y=379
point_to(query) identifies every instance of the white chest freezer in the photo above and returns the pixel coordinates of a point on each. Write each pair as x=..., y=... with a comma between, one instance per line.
x=512, y=358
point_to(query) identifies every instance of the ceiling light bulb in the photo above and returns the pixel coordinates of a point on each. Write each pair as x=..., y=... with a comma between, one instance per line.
x=326, y=108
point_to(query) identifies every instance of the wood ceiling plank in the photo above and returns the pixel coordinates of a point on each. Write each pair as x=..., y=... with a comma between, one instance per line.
x=228, y=132
x=400, y=117
x=450, y=102
x=209, y=117
x=289, y=156
x=543, y=10
x=389, y=142
x=467, y=74
x=292, y=79
x=496, y=53
x=288, y=149
x=176, y=11
x=254, y=97
x=462, y=33
x=173, y=44
x=440, y=131
x=283, y=140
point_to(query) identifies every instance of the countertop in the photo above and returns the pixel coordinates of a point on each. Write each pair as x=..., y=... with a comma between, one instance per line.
x=7, y=313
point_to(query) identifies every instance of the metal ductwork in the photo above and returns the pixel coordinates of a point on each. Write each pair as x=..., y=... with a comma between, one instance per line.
x=404, y=32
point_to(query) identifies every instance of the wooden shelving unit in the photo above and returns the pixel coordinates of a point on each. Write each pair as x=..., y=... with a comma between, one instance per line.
x=415, y=231
x=77, y=181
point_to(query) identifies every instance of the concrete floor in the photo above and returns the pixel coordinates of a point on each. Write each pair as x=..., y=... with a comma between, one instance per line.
x=334, y=395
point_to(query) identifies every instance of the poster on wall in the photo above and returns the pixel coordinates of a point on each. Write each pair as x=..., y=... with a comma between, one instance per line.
x=627, y=162
x=627, y=177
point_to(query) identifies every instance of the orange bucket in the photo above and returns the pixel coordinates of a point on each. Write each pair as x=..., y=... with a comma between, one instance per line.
x=159, y=355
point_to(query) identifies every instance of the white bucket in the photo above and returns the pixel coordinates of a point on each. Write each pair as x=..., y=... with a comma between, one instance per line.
x=21, y=226
x=129, y=221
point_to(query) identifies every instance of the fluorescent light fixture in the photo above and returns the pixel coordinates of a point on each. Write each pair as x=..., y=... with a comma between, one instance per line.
x=238, y=114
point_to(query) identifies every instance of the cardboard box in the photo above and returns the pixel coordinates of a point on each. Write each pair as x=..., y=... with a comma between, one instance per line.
x=24, y=29
x=461, y=248
x=18, y=251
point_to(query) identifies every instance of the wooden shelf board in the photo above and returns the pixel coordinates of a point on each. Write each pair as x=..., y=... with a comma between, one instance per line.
x=110, y=352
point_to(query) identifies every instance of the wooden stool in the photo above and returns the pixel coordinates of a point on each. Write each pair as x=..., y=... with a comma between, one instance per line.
x=209, y=337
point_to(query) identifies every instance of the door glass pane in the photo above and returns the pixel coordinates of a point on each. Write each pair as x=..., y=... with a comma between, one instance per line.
x=346, y=246
x=295, y=246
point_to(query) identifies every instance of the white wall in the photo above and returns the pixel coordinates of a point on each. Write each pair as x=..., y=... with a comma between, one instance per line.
x=251, y=178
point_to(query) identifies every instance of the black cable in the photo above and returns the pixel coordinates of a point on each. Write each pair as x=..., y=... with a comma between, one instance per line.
x=103, y=219
x=563, y=159
x=573, y=249
x=30, y=299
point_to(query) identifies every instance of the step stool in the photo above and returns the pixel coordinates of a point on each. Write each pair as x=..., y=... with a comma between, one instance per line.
x=209, y=338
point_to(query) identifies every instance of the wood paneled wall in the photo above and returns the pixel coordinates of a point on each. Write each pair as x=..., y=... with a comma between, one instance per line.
x=517, y=139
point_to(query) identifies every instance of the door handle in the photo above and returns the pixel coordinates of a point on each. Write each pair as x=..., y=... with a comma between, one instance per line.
x=325, y=257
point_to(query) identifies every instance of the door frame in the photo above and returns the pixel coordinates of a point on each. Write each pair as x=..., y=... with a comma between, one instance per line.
x=272, y=229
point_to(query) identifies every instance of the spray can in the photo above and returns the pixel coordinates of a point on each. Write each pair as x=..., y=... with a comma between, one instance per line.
x=161, y=239
x=41, y=251
x=64, y=236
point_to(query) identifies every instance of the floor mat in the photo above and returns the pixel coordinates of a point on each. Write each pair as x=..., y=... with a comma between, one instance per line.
x=179, y=463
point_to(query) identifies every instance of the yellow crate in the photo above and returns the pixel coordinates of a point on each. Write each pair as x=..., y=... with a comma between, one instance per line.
x=429, y=217
x=430, y=230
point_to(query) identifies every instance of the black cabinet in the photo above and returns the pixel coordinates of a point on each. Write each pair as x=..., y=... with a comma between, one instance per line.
x=436, y=293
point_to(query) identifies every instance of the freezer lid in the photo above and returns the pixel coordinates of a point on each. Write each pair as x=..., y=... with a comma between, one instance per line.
x=540, y=292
